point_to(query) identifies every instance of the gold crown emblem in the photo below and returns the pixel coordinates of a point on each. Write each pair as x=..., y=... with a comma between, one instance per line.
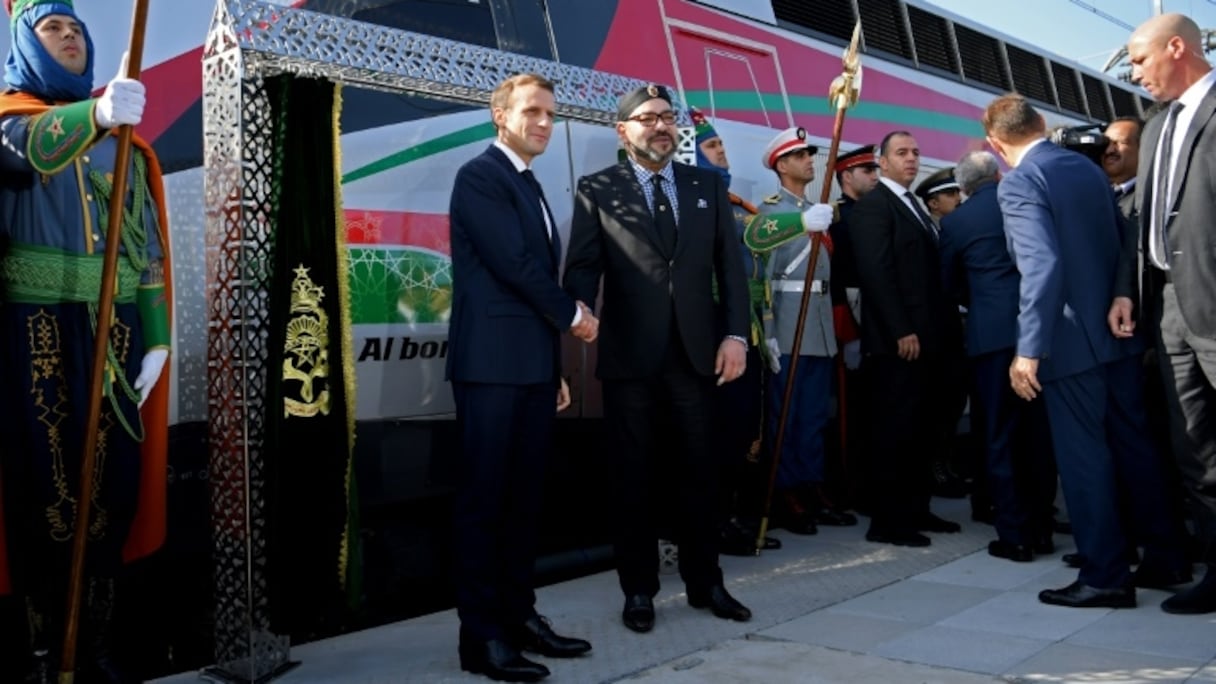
x=306, y=296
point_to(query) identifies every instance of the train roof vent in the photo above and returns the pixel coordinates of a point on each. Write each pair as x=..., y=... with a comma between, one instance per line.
x=931, y=35
x=1067, y=89
x=883, y=27
x=983, y=59
x=1029, y=74
x=831, y=17
x=1095, y=95
x=1124, y=101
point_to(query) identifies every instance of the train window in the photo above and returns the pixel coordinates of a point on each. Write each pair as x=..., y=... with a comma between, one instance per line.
x=1095, y=95
x=883, y=26
x=1124, y=101
x=1067, y=89
x=467, y=22
x=931, y=36
x=982, y=57
x=834, y=18
x=1029, y=74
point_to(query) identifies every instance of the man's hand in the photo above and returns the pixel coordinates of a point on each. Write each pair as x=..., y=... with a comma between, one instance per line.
x=817, y=218
x=588, y=327
x=150, y=368
x=563, y=396
x=909, y=347
x=1120, y=318
x=731, y=361
x=1024, y=377
x=122, y=102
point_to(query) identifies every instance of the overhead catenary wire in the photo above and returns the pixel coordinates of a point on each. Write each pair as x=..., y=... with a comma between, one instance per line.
x=1108, y=17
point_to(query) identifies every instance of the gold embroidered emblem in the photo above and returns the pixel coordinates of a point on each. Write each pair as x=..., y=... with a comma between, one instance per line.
x=770, y=226
x=56, y=128
x=306, y=351
x=772, y=199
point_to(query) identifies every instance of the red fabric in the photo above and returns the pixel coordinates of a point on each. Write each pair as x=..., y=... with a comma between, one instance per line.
x=148, y=530
x=846, y=327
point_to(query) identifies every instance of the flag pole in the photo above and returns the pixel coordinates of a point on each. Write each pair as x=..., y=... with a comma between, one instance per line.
x=105, y=314
x=843, y=93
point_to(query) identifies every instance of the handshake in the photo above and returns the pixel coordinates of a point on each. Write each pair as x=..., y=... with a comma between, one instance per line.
x=588, y=326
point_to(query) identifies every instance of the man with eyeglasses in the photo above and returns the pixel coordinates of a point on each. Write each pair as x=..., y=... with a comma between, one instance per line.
x=658, y=234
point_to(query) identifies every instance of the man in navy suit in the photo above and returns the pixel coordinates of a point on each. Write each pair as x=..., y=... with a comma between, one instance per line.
x=979, y=273
x=1065, y=235
x=508, y=313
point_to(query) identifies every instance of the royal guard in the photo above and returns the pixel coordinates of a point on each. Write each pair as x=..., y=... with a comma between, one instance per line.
x=781, y=232
x=58, y=160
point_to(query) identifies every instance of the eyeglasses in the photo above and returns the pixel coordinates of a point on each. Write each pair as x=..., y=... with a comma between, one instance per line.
x=649, y=119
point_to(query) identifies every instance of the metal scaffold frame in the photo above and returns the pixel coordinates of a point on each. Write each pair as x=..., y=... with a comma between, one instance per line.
x=249, y=41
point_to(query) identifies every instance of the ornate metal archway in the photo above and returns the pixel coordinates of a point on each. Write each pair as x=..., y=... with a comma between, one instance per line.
x=249, y=41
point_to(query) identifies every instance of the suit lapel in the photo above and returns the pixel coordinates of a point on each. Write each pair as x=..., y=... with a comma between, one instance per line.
x=688, y=191
x=539, y=209
x=1207, y=107
x=903, y=208
x=629, y=194
x=1147, y=179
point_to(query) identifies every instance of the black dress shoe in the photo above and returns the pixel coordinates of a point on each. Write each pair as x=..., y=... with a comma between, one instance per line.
x=832, y=517
x=499, y=661
x=897, y=537
x=801, y=523
x=1197, y=600
x=639, y=613
x=720, y=602
x=1019, y=553
x=932, y=523
x=536, y=636
x=1078, y=595
x=1152, y=575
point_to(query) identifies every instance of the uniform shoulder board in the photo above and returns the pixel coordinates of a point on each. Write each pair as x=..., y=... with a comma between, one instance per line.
x=773, y=198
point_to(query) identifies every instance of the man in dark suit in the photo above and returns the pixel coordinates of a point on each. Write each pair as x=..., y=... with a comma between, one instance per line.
x=1177, y=208
x=508, y=313
x=1064, y=233
x=909, y=332
x=979, y=273
x=658, y=233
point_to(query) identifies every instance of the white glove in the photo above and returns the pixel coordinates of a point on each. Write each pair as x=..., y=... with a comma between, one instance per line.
x=774, y=353
x=122, y=102
x=817, y=218
x=149, y=372
x=852, y=354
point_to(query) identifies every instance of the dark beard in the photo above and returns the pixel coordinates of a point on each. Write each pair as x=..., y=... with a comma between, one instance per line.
x=650, y=155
